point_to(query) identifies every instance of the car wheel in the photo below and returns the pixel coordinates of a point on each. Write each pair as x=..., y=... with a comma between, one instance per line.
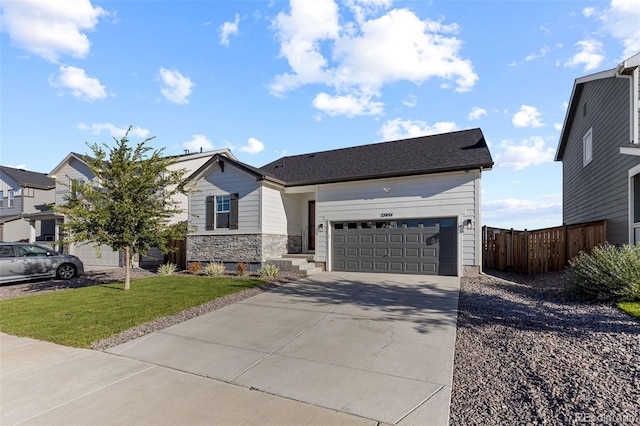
x=66, y=271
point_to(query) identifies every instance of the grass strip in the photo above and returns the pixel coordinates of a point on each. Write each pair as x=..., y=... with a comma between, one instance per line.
x=632, y=308
x=81, y=316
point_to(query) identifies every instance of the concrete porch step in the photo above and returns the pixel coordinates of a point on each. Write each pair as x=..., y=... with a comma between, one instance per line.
x=295, y=264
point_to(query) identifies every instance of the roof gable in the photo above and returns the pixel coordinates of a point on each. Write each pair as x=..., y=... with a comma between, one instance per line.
x=29, y=179
x=574, y=100
x=221, y=161
x=454, y=151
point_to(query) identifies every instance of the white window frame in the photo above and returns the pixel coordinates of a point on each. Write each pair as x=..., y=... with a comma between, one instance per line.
x=1, y=199
x=587, y=147
x=10, y=198
x=221, y=200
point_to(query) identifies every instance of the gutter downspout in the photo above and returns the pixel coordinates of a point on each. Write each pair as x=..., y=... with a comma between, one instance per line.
x=633, y=137
x=633, y=102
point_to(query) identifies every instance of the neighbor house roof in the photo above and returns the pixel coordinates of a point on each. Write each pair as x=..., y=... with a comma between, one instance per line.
x=454, y=151
x=29, y=179
x=623, y=69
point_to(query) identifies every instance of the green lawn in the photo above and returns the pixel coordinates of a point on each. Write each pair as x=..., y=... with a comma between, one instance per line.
x=632, y=308
x=82, y=316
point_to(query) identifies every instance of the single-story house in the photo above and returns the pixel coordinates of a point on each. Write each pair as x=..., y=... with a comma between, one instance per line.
x=406, y=206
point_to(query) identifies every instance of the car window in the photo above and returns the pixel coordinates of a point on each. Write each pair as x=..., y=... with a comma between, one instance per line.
x=31, y=251
x=6, y=251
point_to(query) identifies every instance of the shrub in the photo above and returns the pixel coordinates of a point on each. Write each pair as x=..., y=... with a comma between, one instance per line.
x=241, y=269
x=214, y=269
x=167, y=269
x=269, y=271
x=607, y=273
x=195, y=268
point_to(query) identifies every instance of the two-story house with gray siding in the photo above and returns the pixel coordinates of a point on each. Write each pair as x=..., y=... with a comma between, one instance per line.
x=600, y=152
x=407, y=206
x=24, y=192
x=74, y=168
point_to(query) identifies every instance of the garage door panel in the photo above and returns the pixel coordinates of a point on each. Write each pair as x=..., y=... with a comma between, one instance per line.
x=352, y=252
x=396, y=238
x=381, y=238
x=412, y=267
x=412, y=238
x=412, y=252
x=380, y=252
x=352, y=238
x=366, y=252
x=366, y=239
x=366, y=266
x=396, y=252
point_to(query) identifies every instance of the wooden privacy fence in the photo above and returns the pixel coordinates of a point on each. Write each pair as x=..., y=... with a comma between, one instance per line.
x=178, y=257
x=541, y=250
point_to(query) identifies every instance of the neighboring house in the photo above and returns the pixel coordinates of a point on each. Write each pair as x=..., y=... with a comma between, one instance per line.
x=24, y=192
x=600, y=152
x=74, y=168
x=407, y=206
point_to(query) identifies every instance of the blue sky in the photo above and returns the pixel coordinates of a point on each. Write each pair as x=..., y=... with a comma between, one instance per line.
x=276, y=78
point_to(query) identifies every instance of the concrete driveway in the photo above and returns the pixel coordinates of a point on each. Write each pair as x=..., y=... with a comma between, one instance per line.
x=375, y=346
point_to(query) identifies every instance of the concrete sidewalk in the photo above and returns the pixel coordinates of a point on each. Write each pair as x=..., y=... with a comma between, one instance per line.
x=334, y=348
x=46, y=384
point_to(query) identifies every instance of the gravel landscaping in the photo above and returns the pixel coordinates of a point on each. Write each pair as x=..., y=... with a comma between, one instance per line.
x=525, y=354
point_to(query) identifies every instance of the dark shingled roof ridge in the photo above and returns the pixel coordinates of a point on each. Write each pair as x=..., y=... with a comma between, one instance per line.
x=454, y=151
x=28, y=178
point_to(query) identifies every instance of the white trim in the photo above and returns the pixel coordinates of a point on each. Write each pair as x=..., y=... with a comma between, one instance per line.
x=587, y=148
x=632, y=173
x=630, y=150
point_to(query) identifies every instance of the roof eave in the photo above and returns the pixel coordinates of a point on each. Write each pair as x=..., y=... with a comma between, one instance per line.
x=482, y=167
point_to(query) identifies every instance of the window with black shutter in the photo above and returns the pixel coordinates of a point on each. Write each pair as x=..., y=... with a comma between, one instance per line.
x=222, y=212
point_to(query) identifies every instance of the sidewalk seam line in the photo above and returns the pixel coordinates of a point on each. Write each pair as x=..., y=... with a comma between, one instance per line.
x=86, y=394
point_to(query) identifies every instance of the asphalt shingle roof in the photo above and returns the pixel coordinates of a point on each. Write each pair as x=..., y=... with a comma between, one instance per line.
x=30, y=179
x=462, y=150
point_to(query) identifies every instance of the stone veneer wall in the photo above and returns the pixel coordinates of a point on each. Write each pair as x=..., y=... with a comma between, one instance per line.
x=232, y=248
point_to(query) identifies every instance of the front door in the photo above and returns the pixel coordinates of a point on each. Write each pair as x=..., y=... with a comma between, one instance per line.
x=312, y=225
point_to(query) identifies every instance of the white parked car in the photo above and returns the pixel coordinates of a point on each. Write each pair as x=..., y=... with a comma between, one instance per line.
x=24, y=261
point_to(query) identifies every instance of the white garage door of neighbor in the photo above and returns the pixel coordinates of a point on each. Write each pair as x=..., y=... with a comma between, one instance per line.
x=104, y=256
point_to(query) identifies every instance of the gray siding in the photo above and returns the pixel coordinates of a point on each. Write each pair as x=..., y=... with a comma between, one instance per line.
x=599, y=190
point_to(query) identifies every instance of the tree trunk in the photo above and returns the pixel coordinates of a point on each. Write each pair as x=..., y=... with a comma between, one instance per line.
x=127, y=268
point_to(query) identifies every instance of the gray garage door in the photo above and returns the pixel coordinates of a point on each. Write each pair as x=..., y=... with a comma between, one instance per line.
x=409, y=246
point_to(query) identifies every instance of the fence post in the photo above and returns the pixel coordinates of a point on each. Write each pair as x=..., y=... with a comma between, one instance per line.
x=565, y=230
x=526, y=252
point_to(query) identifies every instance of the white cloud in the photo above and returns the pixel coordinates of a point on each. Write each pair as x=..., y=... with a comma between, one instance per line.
x=50, y=29
x=537, y=213
x=79, y=83
x=476, y=113
x=348, y=105
x=253, y=146
x=528, y=116
x=115, y=131
x=590, y=55
x=588, y=12
x=197, y=143
x=410, y=101
x=228, y=29
x=401, y=129
x=175, y=88
x=622, y=20
x=524, y=153
x=358, y=58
